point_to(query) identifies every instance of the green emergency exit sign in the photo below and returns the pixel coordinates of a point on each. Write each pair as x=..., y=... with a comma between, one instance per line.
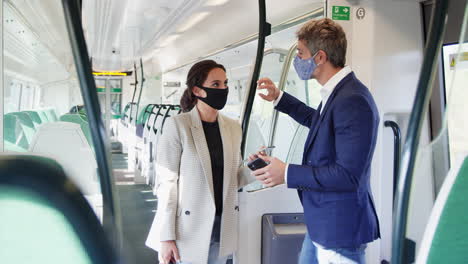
x=341, y=12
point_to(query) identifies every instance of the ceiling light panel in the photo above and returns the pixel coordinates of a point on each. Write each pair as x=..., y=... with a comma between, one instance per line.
x=169, y=40
x=215, y=2
x=192, y=21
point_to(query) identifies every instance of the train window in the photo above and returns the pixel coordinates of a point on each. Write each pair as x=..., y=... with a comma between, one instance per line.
x=455, y=64
x=261, y=118
x=267, y=127
x=19, y=94
x=290, y=150
x=12, y=96
x=43, y=107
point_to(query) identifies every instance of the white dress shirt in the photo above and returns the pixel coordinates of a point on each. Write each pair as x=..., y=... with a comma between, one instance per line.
x=325, y=93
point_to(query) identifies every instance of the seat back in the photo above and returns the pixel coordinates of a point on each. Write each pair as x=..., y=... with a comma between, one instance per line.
x=78, y=119
x=14, y=132
x=44, y=217
x=142, y=114
x=141, y=123
x=174, y=110
x=125, y=113
x=445, y=238
x=51, y=115
x=34, y=115
x=26, y=124
x=153, y=142
x=159, y=119
x=43, y=116
x=84, y=117
x=10, y=128
x=65, y=142
x=150, y=121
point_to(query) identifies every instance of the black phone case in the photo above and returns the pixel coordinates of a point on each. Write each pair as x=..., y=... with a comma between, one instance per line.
x=256, y=164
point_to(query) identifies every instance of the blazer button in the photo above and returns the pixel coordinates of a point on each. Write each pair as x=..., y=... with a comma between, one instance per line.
x=187, y=212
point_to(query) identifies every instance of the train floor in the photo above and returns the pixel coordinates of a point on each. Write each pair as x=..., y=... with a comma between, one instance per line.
x=137, y=207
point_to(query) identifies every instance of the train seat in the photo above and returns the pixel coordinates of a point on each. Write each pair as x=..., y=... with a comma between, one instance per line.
x=10, y=147
x=122, y=128
x=148, y=153
x=150, y=121
x=172, y=111
x=26, y=124
x=78, y=119
x=142, y=118
x=13, y=131
x=43, y=116
x=34, y=115
x=55, y=140
x=445, y=237
x=140, y=129
x=142, y=149
x=45, y=219
x=51, y=115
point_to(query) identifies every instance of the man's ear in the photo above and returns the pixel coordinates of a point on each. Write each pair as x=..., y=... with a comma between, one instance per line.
x=322, y=57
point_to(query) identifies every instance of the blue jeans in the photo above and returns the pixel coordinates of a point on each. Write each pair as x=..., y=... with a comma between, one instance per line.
x=213, y=255
x=313, y=253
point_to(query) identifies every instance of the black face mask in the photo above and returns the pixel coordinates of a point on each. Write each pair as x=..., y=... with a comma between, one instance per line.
x=215, y=98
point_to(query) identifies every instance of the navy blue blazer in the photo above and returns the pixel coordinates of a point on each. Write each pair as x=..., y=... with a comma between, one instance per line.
x=333, y=181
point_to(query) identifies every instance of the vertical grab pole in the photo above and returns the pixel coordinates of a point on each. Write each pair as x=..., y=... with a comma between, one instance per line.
x=396, y=151
x=141, y=88
x=111, y=218
x=134, y=92
x=264, y=31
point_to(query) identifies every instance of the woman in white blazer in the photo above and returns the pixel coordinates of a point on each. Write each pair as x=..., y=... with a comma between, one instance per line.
x=199, y=171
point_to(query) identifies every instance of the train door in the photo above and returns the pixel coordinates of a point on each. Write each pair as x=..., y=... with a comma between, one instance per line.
x=110, y=99
x=267, y=127
x=289, y=136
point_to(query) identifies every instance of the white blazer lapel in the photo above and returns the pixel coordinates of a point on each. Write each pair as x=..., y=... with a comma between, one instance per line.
x=227, y=153
x=202, y=148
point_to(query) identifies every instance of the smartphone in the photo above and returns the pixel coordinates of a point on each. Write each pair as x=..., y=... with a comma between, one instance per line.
x=256, y=164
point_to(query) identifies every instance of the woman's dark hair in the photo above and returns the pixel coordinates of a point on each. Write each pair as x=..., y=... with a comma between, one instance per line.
x=196, y=76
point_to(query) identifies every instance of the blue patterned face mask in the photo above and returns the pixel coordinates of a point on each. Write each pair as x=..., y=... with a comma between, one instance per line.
x=305, y=68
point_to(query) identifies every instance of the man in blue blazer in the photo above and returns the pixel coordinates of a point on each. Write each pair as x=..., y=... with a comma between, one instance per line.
x=333, y=181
